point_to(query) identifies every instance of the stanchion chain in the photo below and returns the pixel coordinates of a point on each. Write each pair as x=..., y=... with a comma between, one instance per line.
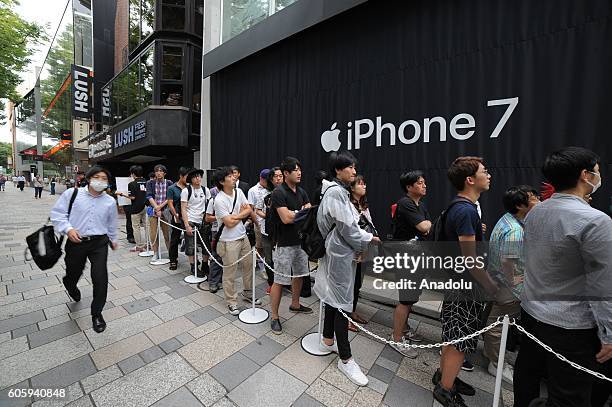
x=278, y=272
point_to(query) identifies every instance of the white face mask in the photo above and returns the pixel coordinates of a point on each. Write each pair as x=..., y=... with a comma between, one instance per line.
x=98, y=185
x=595, y=186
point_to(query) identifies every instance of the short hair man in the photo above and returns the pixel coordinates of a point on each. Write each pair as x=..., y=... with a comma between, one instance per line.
x=231, y=209
x=157, y=191
x=411, y=221
x=239, y=183
x=568, y=284
x=507, y=267
x=461, y=315
x=289, y=258
x=174, y=205
x=194, y=199
x=256, y=194
x=274, y=179
x=91, y=227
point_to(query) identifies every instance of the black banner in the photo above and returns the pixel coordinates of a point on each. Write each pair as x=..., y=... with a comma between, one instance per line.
x=413, y=85
x=81, y=92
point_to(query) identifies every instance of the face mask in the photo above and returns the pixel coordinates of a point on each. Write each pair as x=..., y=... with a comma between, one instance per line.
x=596, y=186
x=98, y=186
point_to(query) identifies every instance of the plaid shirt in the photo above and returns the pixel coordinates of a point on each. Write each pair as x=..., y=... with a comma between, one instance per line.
x=161, y=189
x=506, y=242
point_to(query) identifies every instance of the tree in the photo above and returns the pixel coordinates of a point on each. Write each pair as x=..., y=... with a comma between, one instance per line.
x=17, y=38
x=6, y=149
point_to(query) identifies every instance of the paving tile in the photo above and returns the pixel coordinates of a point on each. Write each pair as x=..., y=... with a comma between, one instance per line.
x=387, y=364
x=35, y=361
x=224, y=402
x=56, y=311
x=162, y=297
x=151, y=284
x=300, y=364
x=122, y=328
x=144, y=294
x=21, y=321
x=336, y=378
x=306, y=401
x=13, y=347
x=66, y=374
x=5, y=337
x=122, y=282
x=109, y=315
x=211, y=349
x=170, y=345
x=34, y=293
x=28, y=285
x=299, y=324
x=151, y=354
x=233, y=370
x=328, y=394
x=261, y=389
x=149, y=275
x=84, y=401
x=25, y=330
x=365, y=351
x=182, y=397
x=203, y=298
x=99, y=379
x=203, y=315
x=53, y=333
x=365, y=397
x=9, y=299
x=185, y=338
x=54, y=288
x=207, y=389
x=174, y=309
x=382, y=374
x=391, y=354
x=6, y=401
x=53, y=321
x=124, y=300
x=147, y=385
x=140, y=305
x=169, y=329
x=123, y=292
x=73, y=393
x=400, y=390
x=284, y=338
x=120, y=350
x=262, y=350
x=377, y=385
x=204, y=329
x=160, y=290
x=130, y=364
x=180, y=291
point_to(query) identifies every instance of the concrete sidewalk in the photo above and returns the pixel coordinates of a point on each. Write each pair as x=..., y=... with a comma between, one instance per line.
x=169, y=344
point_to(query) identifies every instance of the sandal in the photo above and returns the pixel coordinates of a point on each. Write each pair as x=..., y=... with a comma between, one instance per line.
x=352, y=327
x=173, y=265
x=358, y=319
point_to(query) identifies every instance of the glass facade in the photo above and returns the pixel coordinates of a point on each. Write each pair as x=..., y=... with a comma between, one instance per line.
x=141, y=21
x=240, y=15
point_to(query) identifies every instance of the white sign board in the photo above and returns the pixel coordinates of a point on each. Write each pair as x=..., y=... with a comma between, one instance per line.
x=122, y=186
x=80, y=130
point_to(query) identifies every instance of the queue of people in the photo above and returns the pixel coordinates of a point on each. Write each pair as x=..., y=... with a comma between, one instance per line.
x=229, y=213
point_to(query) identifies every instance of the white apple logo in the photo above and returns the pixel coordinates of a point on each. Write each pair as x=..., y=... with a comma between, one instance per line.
x=330, y=140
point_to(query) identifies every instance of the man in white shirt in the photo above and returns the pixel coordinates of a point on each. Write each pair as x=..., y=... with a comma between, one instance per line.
x=216, y=271
x=231, y=208
x=256, y=194
x=194, y=199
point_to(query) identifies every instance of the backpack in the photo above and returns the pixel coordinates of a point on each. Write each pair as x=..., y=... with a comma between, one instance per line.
x=437, y=233
x=311, y=239
x=44, y=246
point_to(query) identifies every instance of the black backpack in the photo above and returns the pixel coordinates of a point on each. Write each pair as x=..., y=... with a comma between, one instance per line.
x=437, y=233
x=44, y=246
x=311, y=239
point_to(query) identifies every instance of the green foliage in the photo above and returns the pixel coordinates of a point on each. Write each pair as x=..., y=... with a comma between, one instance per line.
x=17, y=37
x=6, y=149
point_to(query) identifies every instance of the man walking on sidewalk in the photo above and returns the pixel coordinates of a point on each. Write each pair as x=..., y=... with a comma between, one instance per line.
x=91, y=227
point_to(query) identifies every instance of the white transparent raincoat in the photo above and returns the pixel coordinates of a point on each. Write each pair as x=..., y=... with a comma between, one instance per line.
x=336, y=274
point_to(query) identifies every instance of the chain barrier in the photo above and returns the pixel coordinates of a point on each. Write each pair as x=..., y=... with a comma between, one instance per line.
x=281, y=274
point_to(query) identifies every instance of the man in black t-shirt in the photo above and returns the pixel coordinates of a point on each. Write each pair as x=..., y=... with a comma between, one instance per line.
x=289, y=258
x=461, y=316
x=137, y=193
x=411, y=221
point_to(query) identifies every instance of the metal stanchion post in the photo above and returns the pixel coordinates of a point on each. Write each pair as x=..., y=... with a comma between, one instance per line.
x=311, y=342
x=159, y=261
x=194, y=279
x=148, y=252
x=253, y=315
x=500, y=362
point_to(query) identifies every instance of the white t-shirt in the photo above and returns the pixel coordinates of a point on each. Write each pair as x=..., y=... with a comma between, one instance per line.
x=262, y=207
x=256, y=194
x=197, y=203
x=223, y=206
x=210, y=210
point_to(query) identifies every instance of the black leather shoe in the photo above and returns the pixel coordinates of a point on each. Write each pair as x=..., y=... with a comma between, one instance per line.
x=99, y=325
x=461, y=386
x=74, y=293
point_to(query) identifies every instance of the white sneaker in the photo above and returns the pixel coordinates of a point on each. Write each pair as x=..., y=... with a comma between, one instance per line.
x=323, y=347
x=408, y=352
x=233, y=309
x=353, y=372
x=507, y=372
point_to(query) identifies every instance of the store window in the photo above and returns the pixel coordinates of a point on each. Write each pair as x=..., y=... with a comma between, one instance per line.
x=173, y=15
x=199, y=16
x=172, y=62
x=197, y=80
x=141, y=21
x=146, y=78
x=147, y=19
x=240, y=15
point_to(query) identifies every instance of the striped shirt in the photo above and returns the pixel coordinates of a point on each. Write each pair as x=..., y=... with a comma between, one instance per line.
x=506, y=242
x=568, y=274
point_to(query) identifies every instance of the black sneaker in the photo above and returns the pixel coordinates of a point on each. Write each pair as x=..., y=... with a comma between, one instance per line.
x=213, y=288
x=467, y=365
x=448, y=398
x=276, y=327
x=461, y=386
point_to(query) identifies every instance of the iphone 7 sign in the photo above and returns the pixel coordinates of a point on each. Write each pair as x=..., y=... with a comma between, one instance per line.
x=461, y=127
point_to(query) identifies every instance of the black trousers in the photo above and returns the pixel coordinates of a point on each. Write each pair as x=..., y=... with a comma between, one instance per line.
x=567, y=387
x=38, y=192
x=335, y=323
x=128, y=221
x=97, y=252
x=20, y=185
x=175, y=240
x=358, y=282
